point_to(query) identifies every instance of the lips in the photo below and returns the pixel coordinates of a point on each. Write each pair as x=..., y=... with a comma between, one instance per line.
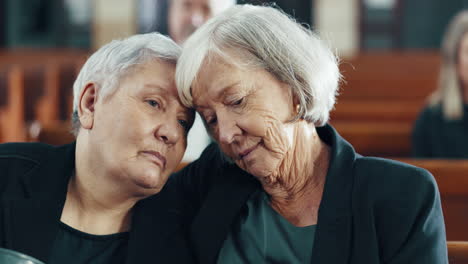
x=246, y=152
x=156, y=157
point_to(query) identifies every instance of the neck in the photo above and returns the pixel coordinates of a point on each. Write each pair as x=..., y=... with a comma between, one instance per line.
x=297, y=189
x=94, y=203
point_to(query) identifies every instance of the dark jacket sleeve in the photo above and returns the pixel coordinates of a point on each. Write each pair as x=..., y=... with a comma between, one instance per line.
x=415, y=230
x=421, y=136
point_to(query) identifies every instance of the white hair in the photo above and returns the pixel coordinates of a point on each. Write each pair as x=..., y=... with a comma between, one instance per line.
x=272, y=41
x=108, y=65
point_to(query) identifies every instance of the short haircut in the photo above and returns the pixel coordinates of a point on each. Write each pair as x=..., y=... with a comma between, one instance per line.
x=112, y=62
x=265, y=37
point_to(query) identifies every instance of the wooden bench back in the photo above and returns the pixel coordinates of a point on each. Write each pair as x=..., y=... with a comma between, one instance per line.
x=458, y=252
x=396, y=76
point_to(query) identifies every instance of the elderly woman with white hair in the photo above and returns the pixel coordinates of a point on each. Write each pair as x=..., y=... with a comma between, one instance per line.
x=83, y=202
x=281, y=185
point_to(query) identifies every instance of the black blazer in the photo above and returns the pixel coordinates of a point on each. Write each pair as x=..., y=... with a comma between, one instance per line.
x=373, y=210
x=33, y=185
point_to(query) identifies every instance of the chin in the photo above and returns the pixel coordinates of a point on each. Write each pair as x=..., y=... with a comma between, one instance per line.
x=149, y=182
x=259, y=170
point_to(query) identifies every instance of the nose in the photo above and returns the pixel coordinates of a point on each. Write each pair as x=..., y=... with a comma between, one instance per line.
x=168, y=132
x=227, y=130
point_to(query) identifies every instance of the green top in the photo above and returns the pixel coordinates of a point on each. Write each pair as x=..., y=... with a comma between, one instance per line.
x=73, y=246
x=436, y=137
x=261, y=235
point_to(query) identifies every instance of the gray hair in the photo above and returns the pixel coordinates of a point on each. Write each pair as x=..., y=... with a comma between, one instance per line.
x=113, y=61
x=448, y=92
x=272, y=41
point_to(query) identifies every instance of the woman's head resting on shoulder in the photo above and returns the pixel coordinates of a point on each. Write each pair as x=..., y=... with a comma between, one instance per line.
x=129, y=122
x=262, y=83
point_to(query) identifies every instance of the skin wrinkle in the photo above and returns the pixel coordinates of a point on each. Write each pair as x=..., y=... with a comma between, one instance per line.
x=290, y=160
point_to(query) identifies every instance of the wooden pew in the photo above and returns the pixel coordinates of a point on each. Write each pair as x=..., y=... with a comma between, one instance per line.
x=12, y=123
x=386, y=86
x=452, y=179
x=379, y=111
x=48, y=106
x=396, y=76
x=374, y=138
x=44, y=69
x=55, y=133
x=44, y=97
x=457, y=252
x=24, y=56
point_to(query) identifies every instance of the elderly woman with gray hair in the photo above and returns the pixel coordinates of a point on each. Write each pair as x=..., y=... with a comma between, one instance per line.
x=83, y=202
x=281, y=185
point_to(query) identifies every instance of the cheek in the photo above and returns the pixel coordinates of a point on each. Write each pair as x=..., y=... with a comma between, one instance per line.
x=175, y=154
x=257, y=121
x=269, y=127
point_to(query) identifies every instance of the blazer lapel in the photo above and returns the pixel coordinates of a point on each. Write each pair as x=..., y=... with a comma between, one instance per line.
x=31, y=222
x=223, y=203
x=333, y=236
x=32, y=226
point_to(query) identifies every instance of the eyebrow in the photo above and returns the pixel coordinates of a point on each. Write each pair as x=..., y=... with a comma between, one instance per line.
x=186, y=111
x=220, y=93
x=156, y=87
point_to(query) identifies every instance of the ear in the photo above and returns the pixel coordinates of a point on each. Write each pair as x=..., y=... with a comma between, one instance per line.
x=295, y=104
x=87, y=103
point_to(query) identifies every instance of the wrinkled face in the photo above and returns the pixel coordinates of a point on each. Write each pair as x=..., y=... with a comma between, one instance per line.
x=185, y=16
x=247, y=112
x=462, y=66
x=139, y=131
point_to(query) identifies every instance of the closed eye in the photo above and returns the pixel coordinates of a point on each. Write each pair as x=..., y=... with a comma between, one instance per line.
x=212, y=121
x=153, y=103
x=184, y=124
x=238, y=102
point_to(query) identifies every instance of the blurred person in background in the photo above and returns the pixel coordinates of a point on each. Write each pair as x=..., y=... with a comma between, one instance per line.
x=85, y=202
x=442, y=127
x=186, y=16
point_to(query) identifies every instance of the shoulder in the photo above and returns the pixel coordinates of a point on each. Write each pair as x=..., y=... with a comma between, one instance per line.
x=403, y=204
x=430, y=112
x=32, y=152
x=17, y=157
x=20, y=159
x=392, y=181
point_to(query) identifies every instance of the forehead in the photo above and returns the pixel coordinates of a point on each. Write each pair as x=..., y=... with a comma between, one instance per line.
x=152, y=76
x=214, y=75
x=154, y=71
